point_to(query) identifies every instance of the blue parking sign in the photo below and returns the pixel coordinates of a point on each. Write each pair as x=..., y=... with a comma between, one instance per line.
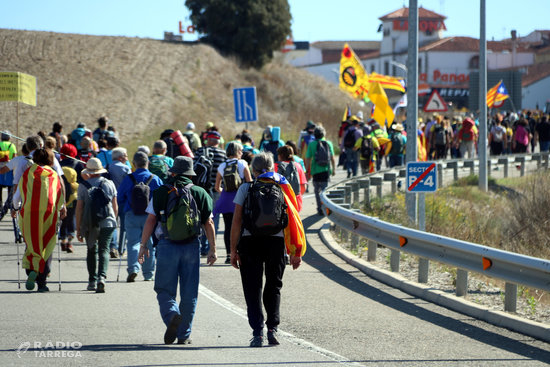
x=244, y=100
x=421, y=177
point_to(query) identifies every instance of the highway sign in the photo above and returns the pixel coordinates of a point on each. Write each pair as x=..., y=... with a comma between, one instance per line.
x=435, y=103
x=421, y=177
x=244, y=100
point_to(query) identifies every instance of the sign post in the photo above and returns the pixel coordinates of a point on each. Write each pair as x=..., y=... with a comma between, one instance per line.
x=246, y=106
x=17, y=87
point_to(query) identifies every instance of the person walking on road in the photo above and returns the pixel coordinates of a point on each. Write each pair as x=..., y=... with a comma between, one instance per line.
x=133, y=199
x=265, y=220
x=320, y=164
x=42, y=205
x=181, y=209
x=96, y=221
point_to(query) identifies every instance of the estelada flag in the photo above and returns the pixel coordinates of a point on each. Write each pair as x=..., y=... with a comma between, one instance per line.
x=496, y=95
x=382, y=111
x=353, y=77
x=387, y=82
x=295, y=236
x=42, y=199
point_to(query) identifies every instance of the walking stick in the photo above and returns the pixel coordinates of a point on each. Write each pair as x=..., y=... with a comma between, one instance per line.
x=18, y=240
x=59, y=254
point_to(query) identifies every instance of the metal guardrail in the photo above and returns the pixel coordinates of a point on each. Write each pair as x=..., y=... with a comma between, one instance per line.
x=465, y=256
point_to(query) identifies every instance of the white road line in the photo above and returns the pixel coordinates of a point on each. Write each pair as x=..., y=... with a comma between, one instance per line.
x=287, y=336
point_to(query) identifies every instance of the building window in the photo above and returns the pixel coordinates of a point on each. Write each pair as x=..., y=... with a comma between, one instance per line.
x=386, y=68
x=474, y=62
x=419, y=65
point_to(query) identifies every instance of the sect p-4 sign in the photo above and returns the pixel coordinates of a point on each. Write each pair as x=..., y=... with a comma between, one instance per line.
x=421, y=177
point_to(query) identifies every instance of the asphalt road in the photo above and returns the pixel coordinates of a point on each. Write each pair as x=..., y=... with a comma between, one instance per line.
x=332, y=314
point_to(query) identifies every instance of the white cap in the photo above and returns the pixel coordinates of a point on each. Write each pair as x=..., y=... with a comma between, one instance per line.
x=360, y=115
x=190, y=126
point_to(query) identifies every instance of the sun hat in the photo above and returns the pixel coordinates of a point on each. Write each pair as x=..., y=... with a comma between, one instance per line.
x=94, y=167
x=209, y=124
x=182, y=166
x=190, y=126
x=397, y=126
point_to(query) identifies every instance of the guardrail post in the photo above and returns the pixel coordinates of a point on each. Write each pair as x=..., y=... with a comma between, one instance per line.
x=461, y=282
x=394, y=261
x=510, y=297
x=347, y=194
x=537, y=157
x=371, y=250
x=355, y=236
x=504, y=162
x=440, y=174
x=545, y=157
x=391, y=177
x=355, y=191
x=521, y=161
x=489, y=167
x=365, y=184
x=471, y=165
x=377, y=181
x=423, y=269
x=454, y=166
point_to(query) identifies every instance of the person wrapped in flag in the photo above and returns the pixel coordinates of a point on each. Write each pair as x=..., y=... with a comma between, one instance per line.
x=42, y=205
x=265, y=225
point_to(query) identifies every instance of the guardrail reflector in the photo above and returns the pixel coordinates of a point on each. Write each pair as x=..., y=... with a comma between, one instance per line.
x=329, y=212
x=487, y=263
x=402, y=241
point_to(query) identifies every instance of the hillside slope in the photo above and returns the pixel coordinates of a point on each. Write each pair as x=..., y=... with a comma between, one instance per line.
x=147, y=85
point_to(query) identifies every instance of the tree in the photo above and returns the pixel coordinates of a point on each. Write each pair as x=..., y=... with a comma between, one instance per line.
x=248, y=29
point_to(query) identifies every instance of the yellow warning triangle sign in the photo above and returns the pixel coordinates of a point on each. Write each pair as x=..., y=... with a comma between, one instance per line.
x=435, y=103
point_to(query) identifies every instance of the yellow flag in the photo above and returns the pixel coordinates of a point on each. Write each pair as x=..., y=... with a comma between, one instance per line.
x=353, y=77
x=382, y=110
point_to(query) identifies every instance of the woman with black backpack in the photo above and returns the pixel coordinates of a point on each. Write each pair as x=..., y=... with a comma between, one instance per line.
x=265, y=225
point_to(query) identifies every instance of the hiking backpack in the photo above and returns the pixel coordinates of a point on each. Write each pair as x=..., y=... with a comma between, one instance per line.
x=440, y=135
x=397, y=145
x=322, y=154
x=180, y=221
x=159, y=167
x=366, y=147
x=272, y=146
x=203, y=166
x=264, y=210
x=97, y=203
x=289, y=171
x=140, y=194
x=349, y=138
x=71, y=186
x=522, y=136
x=231, y=178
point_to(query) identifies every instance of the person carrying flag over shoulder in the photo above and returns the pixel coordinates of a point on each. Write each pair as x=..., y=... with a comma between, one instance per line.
x=266, y=208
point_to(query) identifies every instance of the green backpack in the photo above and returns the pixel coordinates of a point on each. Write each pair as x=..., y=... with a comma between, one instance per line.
x=180, y=220
x=159, y=167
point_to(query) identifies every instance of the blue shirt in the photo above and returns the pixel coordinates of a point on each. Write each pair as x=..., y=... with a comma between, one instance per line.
x=125, y=188
x=118, y=171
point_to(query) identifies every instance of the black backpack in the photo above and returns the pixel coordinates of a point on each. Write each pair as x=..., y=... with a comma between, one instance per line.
x=397, y=146
x=349, y=138
x=366, y=147
x=288, y=169
x=272, y=147
x=440, y=135
x=97, y=204
x=203, y=166
x=231, y=178
x=264, y=210
x=140, y=194
x=322, y=154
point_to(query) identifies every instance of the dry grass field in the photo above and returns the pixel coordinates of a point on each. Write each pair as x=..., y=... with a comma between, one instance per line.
x=147, y=85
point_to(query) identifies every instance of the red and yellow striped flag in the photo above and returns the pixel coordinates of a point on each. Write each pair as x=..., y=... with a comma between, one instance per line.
x=387, y=82
x=42, y=198
x=497, y=95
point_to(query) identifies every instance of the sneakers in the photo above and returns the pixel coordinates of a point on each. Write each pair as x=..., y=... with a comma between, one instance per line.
x=69, y=248
x=100, y=286
x=131, y=278
x=91, y=286
x=43, y=289
x=114, y=253
x=30, y=280
x=256, y=341
x=172, y=329
x=63, y=246
x=228, y=259
x=148, y=279
x=184, y=341
x=272, y=337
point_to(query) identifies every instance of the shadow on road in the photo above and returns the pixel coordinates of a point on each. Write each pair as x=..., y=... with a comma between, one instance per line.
x=345, y=279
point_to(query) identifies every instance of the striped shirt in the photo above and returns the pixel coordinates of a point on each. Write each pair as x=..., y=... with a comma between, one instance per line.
x=218, y=157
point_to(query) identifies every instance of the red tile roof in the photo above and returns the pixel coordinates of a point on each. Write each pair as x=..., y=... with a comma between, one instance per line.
x=404, y=13
x=472, y=44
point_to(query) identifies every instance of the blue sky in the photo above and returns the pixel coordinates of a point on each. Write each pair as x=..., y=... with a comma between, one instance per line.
x=313, y=20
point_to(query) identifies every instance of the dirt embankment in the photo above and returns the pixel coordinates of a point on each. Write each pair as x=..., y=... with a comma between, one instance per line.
x=147, y=85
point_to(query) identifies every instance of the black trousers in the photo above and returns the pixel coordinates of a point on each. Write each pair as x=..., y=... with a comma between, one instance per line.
x=227, y=221
x=259, y=254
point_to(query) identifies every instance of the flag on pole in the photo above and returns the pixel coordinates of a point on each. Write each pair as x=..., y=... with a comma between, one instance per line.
x=387, y=82
x=382, y=111
x=353, y=77
x=402, y=103
x=347, y=113
x=496, y=95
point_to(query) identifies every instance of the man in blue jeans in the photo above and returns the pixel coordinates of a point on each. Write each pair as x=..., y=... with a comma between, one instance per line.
x=178, y=260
